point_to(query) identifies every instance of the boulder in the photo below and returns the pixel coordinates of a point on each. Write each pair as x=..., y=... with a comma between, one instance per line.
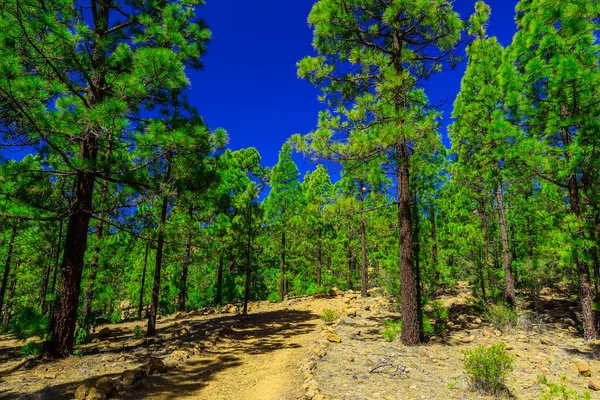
x=106, y=385
x=155, y=365
x=332, y=337
x=131, y=377
x=594, y=384
x=351, y=312
x=580, y=367
x=233, y=310
x=88, y=392
x=104, y=332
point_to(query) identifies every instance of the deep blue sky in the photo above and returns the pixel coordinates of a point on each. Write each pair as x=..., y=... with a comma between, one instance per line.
x=249, y=84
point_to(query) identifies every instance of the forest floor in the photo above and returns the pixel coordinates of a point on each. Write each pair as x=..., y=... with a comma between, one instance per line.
x=258, y=356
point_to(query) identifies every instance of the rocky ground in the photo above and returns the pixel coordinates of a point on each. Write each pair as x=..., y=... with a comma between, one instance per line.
x=284, y=351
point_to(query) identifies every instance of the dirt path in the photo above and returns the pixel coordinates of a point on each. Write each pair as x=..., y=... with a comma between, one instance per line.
x=219, y=356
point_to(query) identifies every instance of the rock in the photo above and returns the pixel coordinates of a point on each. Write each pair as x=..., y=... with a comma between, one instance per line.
x=88, y=392
x=509, y=346
x=132, y=376
x=184, y=331
x=594, y=384
x=583, y=368
x=463, y=319
x=468, y=339
x=180, y=355
x=366, y=307
x=104, y=332
x=497, y=333
x=569, y=322
x=233, y=310
x=487, y=334
x=523, y=339
x=450, y=324
x=155, y=365
x=546, y=342
x=106, y=385
x=335, y=292
x=47, y=376
x=351, y=312
x=332, y=337
x=477, y=321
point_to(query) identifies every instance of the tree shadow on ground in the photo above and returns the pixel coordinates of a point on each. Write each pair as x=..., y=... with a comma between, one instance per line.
x=232, y=336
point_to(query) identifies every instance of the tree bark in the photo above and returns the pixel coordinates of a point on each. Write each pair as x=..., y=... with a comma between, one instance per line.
x=141, y=300
x=319, y=256
x=486, y=251
x=9, y=254
x=408, y=280
x=434, y=246
x=56, y=268
x=506, y=256
x=248, y=265
x=219, y=295
x=151, y=331
x=586, y=296
x=184, y=273
x=8, y=306
x=282, y=267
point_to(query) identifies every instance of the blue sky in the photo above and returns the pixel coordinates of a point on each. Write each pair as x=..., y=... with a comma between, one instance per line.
x=249, y=84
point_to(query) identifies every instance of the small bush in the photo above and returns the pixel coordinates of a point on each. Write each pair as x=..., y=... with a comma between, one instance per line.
x=81, y=336
x=28, y=322
x=31, y=349
x=502, y=316
x=560, y=391
x=392, y=330
x=274, y=298
x=115, y=316
x=440, y=317
x=329, y=316
x=137, y=332
x=488, y=367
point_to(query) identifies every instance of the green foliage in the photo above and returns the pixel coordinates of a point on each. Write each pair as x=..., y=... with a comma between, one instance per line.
x=274, y=298
x=559, y=391
x=137, y=332
x=488, y=367
x=32, y=348
x=81, y=336
x=329, y=316
x=392, y=330
x=502, y=316
x=28, y=323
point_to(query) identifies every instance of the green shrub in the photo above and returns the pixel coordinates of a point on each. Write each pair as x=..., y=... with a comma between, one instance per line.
x=81, y=336
x=560, y=391
x=31, y=349
x=28, y=322
x=137, y=332
x=502, y=316
x=274, y=298
x=329, y=316
x=392, y=330
x=440, y=317
x=115, y=316
x=488, y=367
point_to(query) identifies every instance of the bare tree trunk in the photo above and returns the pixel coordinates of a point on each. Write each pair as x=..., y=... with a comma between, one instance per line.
x=486, y=251
x=184, y=273
x=8, y=306
x=151, y=331
x=9, y=254
x=219, y=295
x=586, y=296
x=141, y=301
x=282, y=267
x=319, y=257
x=408, y=280
x=363, y=245
x=506, y=256
x=248, y=265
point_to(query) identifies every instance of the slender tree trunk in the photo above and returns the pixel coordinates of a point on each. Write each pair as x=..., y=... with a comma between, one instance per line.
x=248, y=266
x=143, y=285
x=282, y=267
x=506, y=256
x=69, y=287
x=8, y=306
x=319, y=256
x=45, y=281
x=184, y=273
x=586, y=296
x=363, y=245
x=434, y=246
x=9, y=254
x=56, y=268
x=350, y=268
x=486, y=250
x=151, y=331
x=219, y=296
x=408, y=279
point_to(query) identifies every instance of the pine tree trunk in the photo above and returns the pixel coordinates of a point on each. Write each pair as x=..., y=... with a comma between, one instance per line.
x=506, y=256
x=184, y=273
x=8, y=306
x=417, y=261
x=248, y=266
x=219, y=295
x=282, y=267
x=151, y=331
x=319, y=257
x=50, y=311
x=363, y=246
x=486, y=251
x=9, y=254
x=408, y=280
x=586, y=295
x=434, y=247
x=143, y=284
x=69, y=287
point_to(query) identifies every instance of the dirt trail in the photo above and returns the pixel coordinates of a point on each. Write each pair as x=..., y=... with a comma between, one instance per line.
x=218, y=356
